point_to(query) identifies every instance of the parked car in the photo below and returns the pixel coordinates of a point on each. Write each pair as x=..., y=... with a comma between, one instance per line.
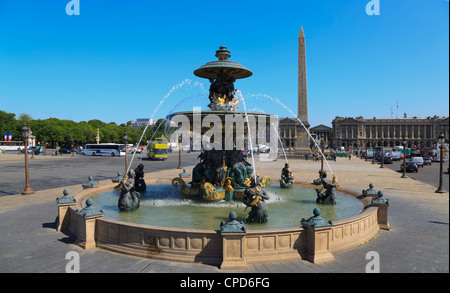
x=410, y=167
x=418, y=161
x=427, y=160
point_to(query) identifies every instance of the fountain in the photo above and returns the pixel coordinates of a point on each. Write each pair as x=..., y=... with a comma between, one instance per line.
x=224, y=171
x=151, y=218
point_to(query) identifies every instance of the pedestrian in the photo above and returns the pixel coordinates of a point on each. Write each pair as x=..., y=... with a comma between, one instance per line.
x=349, y=156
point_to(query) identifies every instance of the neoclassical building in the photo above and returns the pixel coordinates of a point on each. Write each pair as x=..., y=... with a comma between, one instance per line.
x=321, y=133
x=354, y=132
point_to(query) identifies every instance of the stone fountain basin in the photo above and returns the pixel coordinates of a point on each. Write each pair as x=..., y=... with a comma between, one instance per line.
x=207, y=246
x=164, y=206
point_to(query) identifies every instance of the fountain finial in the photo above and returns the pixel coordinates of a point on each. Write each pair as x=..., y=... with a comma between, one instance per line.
x=223, y=53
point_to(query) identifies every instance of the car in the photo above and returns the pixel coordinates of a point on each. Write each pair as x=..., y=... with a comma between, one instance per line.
x=65, y=150
x=396, y=156
x=427, y=160
x=429, y=157
x=418, y=161
x=410, y=167
x=30, y=150
x=388, y=160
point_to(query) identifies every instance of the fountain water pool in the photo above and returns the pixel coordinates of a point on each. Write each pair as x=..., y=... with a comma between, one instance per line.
x=164, y=206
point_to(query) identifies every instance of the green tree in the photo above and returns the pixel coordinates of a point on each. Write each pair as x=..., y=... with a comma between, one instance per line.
x=25, y=116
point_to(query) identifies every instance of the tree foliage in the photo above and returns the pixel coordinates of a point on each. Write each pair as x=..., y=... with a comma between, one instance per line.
x=63, y=132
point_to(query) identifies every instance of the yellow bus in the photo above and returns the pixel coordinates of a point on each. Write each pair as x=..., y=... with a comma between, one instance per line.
x=158, y=149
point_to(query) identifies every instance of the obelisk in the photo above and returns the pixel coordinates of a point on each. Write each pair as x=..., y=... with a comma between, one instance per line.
x=302, y=135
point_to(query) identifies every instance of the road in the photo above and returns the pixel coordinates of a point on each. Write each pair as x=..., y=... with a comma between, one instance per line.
x=429, y=174
x=65, y=170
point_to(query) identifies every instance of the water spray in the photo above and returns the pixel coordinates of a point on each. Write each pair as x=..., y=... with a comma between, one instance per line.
x=298, y=119
x=282, y=145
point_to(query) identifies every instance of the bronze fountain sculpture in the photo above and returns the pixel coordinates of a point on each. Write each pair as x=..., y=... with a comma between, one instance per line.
x=223, y=172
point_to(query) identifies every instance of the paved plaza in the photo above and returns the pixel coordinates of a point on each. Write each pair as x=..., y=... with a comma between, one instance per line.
x=417, y=242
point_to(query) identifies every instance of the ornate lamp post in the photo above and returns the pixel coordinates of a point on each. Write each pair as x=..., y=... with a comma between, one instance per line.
x=366, y=149
x=125, y=138
x=26, y=135
x=72, y=147
x=179, y=154
x=322, y=148
x=382, y=154
x=441, y=140
x=373, y=151
x=404, y=158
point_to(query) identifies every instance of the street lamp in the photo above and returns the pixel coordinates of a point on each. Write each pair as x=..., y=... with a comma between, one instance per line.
x=441, y=141
x=366, y=149
x=179, y=154
x=125, y=138
x=404, y=159
x=373, y=151
x=72, y=147
x=26, y=135
x=382, y=154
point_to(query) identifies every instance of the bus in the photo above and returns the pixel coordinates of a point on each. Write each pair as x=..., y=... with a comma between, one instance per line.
x=158, y=149
x=104, y=149
x=11, y=145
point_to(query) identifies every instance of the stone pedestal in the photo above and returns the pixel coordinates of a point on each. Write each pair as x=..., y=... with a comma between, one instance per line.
x=86, y=231
x=85, y=223
x=64, y=203
x=382, y=215
x=318, y=244
x=63, y=218
x=233, y=251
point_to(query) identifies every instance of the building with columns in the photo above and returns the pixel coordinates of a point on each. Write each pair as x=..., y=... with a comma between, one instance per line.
x=389, y=132
x=321, y=133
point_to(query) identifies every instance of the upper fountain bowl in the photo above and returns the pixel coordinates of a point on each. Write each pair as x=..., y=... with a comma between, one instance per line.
x=214, y=69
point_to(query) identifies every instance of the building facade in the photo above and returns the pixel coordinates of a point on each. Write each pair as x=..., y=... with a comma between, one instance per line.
x=321, y=133
x=389, y=132
x=141, y=123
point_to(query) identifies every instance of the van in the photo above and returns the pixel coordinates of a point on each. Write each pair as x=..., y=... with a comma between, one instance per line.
x=418, y=161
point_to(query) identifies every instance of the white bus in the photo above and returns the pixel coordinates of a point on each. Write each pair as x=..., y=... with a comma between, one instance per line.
x=11, y=145
x=104, y=149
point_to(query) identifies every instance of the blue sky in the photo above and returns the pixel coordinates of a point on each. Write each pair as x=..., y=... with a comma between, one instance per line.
x=118, y=59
